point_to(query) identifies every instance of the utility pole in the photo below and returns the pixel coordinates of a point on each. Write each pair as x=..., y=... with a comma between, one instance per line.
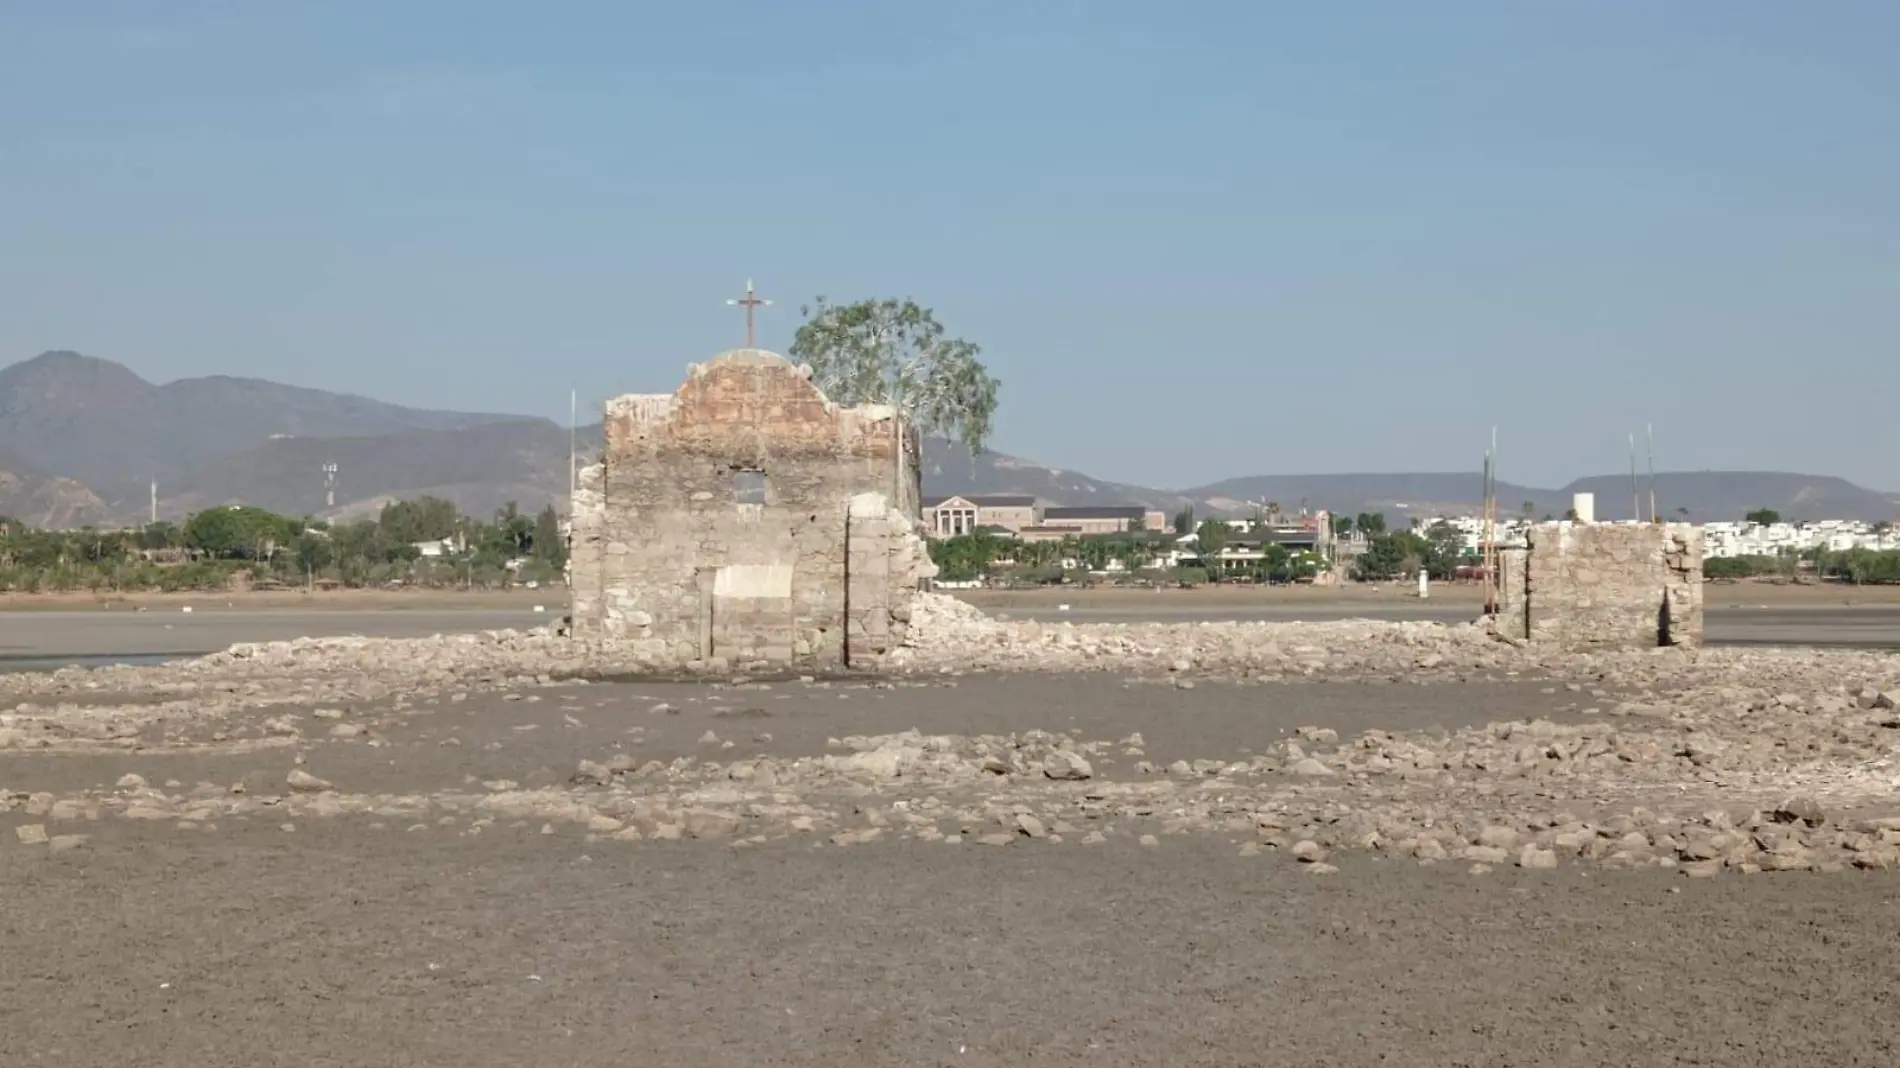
x=329, y=486
x=749, y=302
x=1636, y=501
x=155, y=501
x=1654, y=516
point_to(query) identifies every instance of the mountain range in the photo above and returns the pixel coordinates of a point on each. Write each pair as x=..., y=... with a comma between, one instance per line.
x=82, y=439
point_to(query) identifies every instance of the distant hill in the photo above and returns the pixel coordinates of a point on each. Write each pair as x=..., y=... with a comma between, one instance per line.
x=480, y=468
x=99, y=423
x=81, y=437
x=35, y=498
x=1395, y=495
x=949, y=468
x=1709, y=495
x=1706, y=495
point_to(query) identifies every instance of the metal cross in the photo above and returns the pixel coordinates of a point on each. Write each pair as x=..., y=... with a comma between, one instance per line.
x=750, y=301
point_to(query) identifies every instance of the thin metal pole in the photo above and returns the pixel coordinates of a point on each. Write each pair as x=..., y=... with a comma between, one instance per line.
x=1653, y=516
x=1636, y=501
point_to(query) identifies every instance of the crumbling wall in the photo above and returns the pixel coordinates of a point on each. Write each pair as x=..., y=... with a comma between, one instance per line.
x=1602, y=586
x=746, y=518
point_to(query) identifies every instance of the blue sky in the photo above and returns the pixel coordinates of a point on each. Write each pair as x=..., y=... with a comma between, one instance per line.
x=1195, y=240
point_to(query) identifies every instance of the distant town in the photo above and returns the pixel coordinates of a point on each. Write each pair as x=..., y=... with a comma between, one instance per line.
x=1018, y=539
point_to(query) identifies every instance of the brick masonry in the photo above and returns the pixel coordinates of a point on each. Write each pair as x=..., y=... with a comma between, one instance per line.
x=1604, y=586
x=745, y=518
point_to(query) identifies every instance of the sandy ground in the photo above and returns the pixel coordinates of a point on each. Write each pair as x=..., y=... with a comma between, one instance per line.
x=408, y=930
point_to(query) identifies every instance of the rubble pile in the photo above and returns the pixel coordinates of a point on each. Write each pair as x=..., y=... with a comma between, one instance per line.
x=1704, y=761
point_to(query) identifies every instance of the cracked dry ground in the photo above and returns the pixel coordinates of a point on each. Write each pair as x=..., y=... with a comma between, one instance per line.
x=1051, y=869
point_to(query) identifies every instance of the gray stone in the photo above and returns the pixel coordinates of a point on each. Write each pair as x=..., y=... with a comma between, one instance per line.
x=1064, y=765
x=1497, y=837
x=1310, y=768
x=1532, y=857
x=711, y=823
x=301, y=781
x=1801, y=809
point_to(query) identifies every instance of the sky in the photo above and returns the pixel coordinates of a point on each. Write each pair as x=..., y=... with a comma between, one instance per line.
x=1194, y=240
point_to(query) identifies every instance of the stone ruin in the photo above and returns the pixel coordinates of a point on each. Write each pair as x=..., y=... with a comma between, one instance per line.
x=1586, y=586
x=745, y=519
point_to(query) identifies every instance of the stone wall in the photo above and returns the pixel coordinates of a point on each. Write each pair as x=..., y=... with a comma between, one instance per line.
x=745, y=518
x=1600, y=586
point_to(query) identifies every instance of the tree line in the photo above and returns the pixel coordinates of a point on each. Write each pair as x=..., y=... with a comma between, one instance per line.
x=1080, y=558
x=425, y=542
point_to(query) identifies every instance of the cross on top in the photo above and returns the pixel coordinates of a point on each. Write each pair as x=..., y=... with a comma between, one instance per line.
x=749, y=302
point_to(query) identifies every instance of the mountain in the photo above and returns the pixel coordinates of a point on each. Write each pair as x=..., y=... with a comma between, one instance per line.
x=80, y=438
x=1395, y=495
x=1705, y=495
x=948, y=468
x=479, y=467
x=34, y=498
x=97, y=422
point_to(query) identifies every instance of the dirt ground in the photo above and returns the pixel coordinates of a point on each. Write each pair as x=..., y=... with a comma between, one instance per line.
x=453, y=893
x=275, y=600
x=1214, y=597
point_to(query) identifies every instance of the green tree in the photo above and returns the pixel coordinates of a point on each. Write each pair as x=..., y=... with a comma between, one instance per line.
x=1443, y=551
x=895, y=352
x=1766, y=517
x=160, y=535
x=1094, y=553
x=1184, y=520
x=1372, y=524
x=1398, y=555
x=1209, y=539
x=966, y=556
x=238, y=531
x=313, y=553
x=549, y=546
x=423, y=519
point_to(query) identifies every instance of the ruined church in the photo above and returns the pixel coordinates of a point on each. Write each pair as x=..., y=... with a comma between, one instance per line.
x=745, y=519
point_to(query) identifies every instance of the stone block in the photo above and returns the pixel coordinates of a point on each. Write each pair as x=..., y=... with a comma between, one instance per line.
x=1600, y=586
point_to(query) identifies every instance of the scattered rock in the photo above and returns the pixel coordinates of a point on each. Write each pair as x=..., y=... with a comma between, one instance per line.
x=301, y=781
x=1537, y=859
x=1065, y=765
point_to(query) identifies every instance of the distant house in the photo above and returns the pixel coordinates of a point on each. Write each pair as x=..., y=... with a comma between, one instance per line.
x=949, y=517
x=1104, y=519
x=437, y=547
